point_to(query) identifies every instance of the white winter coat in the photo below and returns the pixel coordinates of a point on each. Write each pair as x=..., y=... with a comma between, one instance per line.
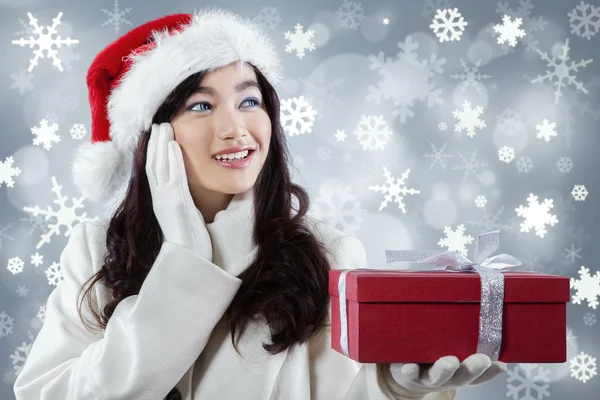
x=173, y=333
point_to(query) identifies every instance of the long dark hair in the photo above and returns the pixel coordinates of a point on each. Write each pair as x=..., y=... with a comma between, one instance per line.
x=286, y=283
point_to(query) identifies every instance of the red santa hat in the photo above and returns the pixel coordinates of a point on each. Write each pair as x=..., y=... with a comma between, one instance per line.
x=129, y=80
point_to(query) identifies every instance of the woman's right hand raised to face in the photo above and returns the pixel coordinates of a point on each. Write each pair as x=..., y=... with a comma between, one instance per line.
x=181, y=222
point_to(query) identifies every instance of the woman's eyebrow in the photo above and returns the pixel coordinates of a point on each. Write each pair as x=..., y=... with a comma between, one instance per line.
x=238, y=88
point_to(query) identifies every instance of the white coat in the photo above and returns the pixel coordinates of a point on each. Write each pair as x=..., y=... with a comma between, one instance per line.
x=173, y=333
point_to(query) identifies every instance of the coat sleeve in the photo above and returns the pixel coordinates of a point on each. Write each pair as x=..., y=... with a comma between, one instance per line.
x=372, y=381
x=150, y=341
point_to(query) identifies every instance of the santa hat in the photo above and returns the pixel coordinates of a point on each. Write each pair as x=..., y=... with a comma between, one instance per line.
x=131, y=77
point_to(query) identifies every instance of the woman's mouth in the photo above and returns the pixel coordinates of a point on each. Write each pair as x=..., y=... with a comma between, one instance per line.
x=236, y=160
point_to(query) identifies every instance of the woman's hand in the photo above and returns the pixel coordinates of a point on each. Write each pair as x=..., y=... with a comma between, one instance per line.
x=181, y=222
x=446, y=373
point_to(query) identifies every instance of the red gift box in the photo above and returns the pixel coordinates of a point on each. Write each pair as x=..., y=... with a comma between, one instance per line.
x=420, y=316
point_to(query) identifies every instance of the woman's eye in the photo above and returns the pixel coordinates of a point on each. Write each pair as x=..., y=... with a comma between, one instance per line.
x=195, y=106
x=198, y=106
x=254, y=100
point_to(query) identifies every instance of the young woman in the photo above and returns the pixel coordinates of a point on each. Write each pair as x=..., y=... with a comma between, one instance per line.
x=206, y=283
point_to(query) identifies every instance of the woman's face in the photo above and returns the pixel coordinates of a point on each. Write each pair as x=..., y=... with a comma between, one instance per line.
x=226, y=112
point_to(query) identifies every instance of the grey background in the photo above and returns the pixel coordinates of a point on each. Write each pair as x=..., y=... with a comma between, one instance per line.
x=338, y=174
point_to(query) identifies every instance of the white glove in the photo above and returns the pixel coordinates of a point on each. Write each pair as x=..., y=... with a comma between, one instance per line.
x=447, y=373
x=181, y=222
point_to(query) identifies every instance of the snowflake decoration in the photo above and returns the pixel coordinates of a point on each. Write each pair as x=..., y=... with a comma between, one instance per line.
x=509, y=122
x=583, y=367
x=438, y=155
x=584, y=23
x=471, y=77
x=528, y=383
x=340, y=135
x=350, y=15
x=37, y=259
x=269, y=17
x=468, y=119
x=537, y=215
x=456, y=240
x=546, y=130
x=579, y=193
x=116, y=17
x=22, y=81
x=531, y=25
x=41, y=315
x=524, y=164
x=322, y=90
x=589, y=319
x=20, y=355
x=8, y=172
x=480, y=201
x=406, y=79
x=470, y=167
x=45, y=134
x=490, y=221
x=509, y=31
x=78, y=131
x=64, y=216
x=324, y=153
x=4, y=235
x=430, y=8
x=54, y=274
x=565, y=164
x=297, y=116
x=299, y=41
x=22, y=290
x=45, y=42
x=394, y=189
x=6, y=324
x=442, y=126
x=563, y=73
x=587, y=287
x=448, y=21
x=506, y=154
x=15, y=265
x=573, y=253
x=338, y=207
x=386, y=21
x=372, y=132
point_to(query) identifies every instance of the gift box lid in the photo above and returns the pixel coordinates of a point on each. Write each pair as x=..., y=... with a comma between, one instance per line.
x=377, y=285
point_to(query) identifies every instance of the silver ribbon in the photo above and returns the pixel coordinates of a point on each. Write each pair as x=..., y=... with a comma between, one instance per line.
x=489, y=268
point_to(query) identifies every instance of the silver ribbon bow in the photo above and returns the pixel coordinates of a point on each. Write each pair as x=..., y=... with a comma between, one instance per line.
x=489, y=268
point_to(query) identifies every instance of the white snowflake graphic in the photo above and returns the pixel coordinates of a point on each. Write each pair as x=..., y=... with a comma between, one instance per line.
x=583, y=367
x=584, y=20
x=438, y=156
x=64, y=216
x=297, y=116
x=546, y=130
x=372, y=132
x=535, y=379
x=22, y=81
x=480, y=201
x=537, y=215
x=269, y=17
x=510, y=122
x=406, y=79
x=45, y=42
x=469, y=167
x=299, y=41
x=468, y=119
x=41, y=315
x=15, y=265
x=340, y=135
x=78, y=131
x=456, y=240
x=22, y=290
x=4, y=234
x=430, y=7
x=579, y=192
x=8, y=172
x=45, y=134
x=589, y=319
x=54, y=274
x=116, y=16
x=37, y=259
x=442, y=126
x=448, y=24
x=563, y=73
x=490, y=221
x=509, y=31
x=573, y=253
x=471, y=77
x=350, y=14
x=506, y=154
x=587, y=287
x=6, y=324
x=531, y=25
x=338, y=207
x=524, y=164
x=395, y=189
x=20, y=355
x=564, y=164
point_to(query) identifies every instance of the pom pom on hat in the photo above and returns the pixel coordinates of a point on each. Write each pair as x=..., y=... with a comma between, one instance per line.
x=130, y=78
